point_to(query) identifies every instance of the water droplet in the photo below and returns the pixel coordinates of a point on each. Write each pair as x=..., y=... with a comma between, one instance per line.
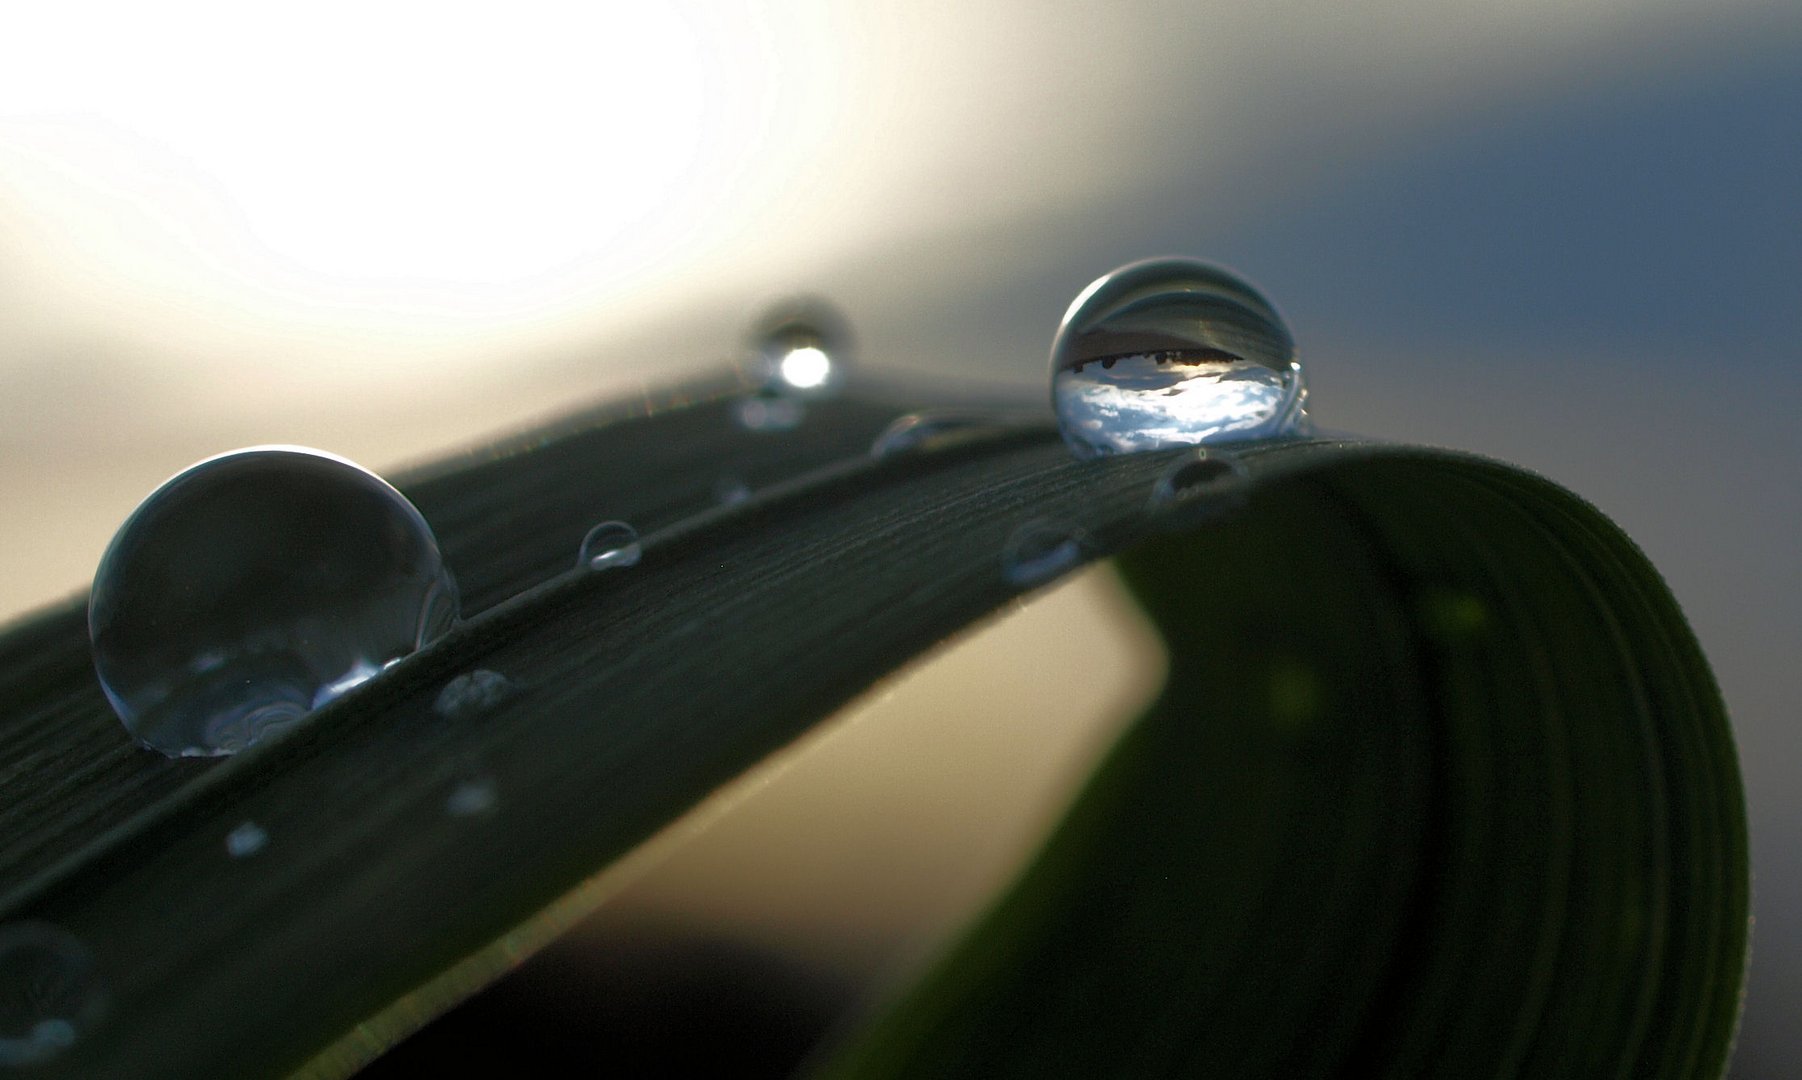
x=610, y=545
x=800, y=347
x=49, y=992
x=471, y=798
x=472, y=693
x=255, y=587
x=245, y=840
x=1041, y=550
x=730, y=491
x=937, y=429
x=1198, y=485
x=767, y=411
x=1173, y=352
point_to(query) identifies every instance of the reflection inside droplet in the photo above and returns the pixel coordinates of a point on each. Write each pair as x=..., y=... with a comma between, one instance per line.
x=806, y=368
x=1173, y=352
x=255, y=587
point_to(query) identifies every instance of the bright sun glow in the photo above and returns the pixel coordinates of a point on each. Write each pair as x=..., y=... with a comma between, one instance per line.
x=806, y=368
x=456, y=163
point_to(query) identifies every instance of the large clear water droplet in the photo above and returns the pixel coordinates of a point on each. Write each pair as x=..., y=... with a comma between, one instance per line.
x=610, y=545
x=1173, y=352
x=50, y=994
x=255, y=587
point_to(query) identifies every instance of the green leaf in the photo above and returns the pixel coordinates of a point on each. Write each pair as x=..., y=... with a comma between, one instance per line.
x=1440, y=785
x=1439, y=771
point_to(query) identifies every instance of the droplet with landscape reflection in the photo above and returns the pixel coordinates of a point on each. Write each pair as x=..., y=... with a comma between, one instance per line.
x=1173, y=352
x=254, y=587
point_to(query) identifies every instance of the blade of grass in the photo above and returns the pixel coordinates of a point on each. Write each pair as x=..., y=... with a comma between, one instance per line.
x=639, y=692
x=1440, y=785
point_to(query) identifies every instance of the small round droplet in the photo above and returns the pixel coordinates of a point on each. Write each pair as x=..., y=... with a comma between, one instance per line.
x=472, y=694
x=800, y=347
x=730, y=491
x=1041, y=550
x=245, y=840
x=471, y=798
x=769, y=412
x=1200, y=484
x=609, y=546
x=255, y=587
x=1173, y=352
x=936, y=429
x=50, y=993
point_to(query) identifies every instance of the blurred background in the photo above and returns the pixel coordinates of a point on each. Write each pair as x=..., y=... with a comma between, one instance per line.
x=1564, y=234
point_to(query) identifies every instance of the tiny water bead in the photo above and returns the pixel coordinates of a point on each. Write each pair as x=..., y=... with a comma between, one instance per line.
x=1042, y=549
x=769, y=411
x=608, y=546
x=471, y=798
x=472, y=693
x=730, y=491
x=255, y=587
x=1173, y=352
x=939, y=428
x=1198, y=485
x=246, y=840
x=50, y=993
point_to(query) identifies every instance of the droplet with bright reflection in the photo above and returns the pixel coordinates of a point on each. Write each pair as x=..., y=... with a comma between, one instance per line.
x=255, y=587
x=1173, y=352
x=50, y=993
x=800, y=348
x=610, y=545
x=936, y=429
x=1042, y=549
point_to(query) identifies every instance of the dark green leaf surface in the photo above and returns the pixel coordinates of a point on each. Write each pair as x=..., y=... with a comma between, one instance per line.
x=1439, y=772
x=1439, y=786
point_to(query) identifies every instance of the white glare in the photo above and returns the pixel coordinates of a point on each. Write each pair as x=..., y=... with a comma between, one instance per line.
x=806, y=368
x=401, y=165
